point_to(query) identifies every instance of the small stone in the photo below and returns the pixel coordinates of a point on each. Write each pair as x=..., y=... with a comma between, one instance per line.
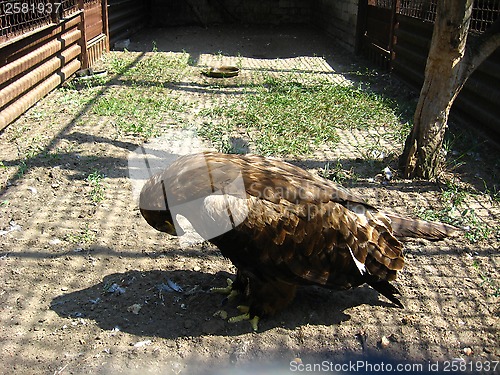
x=468, y=351
x=221, y=314
x=384, y=342
x=140, y=344
x=135, y=308
x=196, y=268
x=55, y=241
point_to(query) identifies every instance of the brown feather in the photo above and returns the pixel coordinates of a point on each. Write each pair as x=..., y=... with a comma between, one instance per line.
x=406, y=227
x=287, y=227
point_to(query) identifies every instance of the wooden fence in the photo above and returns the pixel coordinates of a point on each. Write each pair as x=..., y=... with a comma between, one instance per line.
x=42, y=43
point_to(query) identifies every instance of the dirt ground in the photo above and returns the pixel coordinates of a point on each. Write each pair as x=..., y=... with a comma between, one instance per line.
x=83, y=284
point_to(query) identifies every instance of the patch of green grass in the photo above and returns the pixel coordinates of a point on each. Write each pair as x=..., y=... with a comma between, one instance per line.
x=85, y=236
x=336, y=172
x=158, y=67
x=454, y=213
x=97, y=188
x=118, y=63
x=137, y=110
x=291, y=118
x=218, y=134
x=132, y=103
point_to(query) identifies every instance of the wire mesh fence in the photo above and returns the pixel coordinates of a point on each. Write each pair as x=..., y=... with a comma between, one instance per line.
x=484, y=12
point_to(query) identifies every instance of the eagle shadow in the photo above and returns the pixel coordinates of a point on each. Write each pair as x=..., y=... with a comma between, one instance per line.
x=147, y=303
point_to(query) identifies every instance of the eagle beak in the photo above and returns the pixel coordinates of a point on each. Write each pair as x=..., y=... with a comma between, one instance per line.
x=170, y=228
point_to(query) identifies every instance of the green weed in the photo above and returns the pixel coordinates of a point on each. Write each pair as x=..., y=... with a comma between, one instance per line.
x=97, y=188
x=21, y=168
x=137, y=110
x=85, y=236
x=335, y=172
x=453, y=212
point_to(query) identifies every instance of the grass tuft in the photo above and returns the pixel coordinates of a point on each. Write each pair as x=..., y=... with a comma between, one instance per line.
x=292, y=118
x=453, y=212
x=97, y=188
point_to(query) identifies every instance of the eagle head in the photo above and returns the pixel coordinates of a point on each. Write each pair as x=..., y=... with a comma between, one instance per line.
x=161, y=220
x=154, y=208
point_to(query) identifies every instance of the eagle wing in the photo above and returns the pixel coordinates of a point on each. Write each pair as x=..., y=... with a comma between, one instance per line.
x=284, y=221
x=281, y=226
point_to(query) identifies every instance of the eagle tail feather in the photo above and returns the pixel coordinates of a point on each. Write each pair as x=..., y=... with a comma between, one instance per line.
x=387, y=290
x=417, y=228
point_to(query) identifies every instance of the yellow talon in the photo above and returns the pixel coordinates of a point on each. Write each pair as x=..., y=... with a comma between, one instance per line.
x=239, y=318
x=254, y=322
x=220, y=313
x=227, y=290
x=243, y=309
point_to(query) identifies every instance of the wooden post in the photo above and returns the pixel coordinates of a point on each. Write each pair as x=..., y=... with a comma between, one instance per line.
x=105, y=25
x=360, y=26
x=83, y=40
x=392, y=41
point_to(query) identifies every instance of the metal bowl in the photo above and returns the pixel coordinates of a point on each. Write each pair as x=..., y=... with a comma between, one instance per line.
x=224, y=71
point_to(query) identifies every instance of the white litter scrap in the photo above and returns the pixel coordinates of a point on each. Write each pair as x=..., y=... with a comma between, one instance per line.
x=141, y=343
x=169, y=287
x=115, y=289
x=55, y=241
x=387, y=174
x=174, y=286
x=13, y=227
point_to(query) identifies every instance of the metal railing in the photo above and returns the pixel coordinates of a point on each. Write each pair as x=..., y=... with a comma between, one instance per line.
x=18, y=17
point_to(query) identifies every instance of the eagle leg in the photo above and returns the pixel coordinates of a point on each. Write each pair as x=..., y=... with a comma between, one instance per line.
x=229, y=291
x=254, y=321
x=226, y=290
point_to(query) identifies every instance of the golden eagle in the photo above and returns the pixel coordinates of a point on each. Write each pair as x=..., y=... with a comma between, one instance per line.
x=281, y=226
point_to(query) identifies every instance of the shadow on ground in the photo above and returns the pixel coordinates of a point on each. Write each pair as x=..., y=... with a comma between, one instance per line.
x=171, y=314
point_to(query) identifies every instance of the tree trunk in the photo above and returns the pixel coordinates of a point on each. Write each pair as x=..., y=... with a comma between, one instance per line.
x=445, y=74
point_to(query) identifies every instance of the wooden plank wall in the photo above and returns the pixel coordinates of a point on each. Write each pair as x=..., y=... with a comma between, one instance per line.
x=126, y=17
x=33, y=64
x=32, y=67
x=477, y=102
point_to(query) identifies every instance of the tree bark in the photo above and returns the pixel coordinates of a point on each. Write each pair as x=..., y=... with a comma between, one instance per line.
x=451, y=60
x=445, y=74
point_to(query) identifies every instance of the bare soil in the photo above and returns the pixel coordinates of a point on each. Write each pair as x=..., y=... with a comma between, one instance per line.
x=83, y=283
